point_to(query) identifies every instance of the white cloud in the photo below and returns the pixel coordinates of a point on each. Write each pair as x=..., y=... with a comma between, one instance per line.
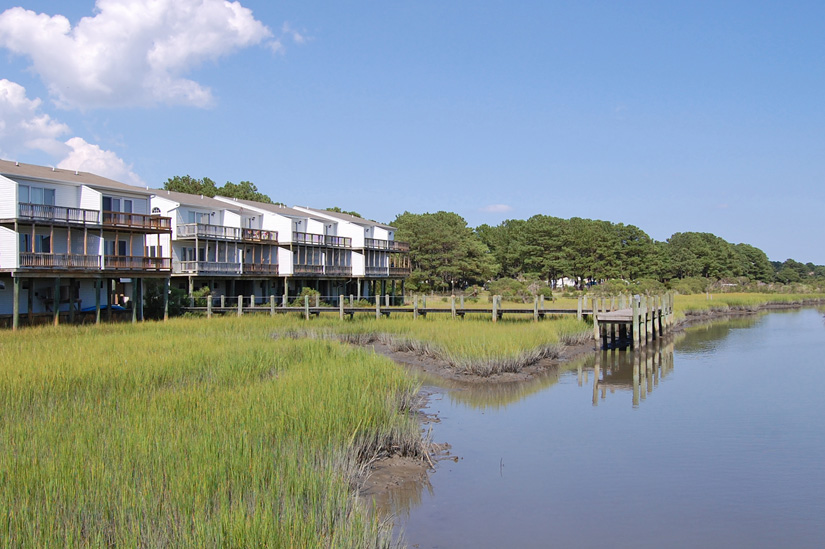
x=497, y=208
x=91, y=158
x=23, y=127
x=132, y=52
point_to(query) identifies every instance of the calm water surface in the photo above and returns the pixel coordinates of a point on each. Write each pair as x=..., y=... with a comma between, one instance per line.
x=713, y=440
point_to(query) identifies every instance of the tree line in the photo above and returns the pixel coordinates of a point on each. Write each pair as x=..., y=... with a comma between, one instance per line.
x=447, y=254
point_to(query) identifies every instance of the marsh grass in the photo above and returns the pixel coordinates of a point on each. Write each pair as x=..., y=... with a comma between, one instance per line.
x=685, y=305
x=472, y=345
x=192, y=433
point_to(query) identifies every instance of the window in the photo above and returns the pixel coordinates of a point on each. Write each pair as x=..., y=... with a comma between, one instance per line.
x=199, y=217
x=112, y=204
x=42, y=244
x=35, y=195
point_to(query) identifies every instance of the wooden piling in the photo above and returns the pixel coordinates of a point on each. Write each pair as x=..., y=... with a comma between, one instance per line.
x=536, y=309
x=209, y=306
x=306, y=307
x=15, y=315
x=452, y=306
x=579, y=309
x=240, y=305
x=341, y=306
x=636, y=333
x=495, y=308
x=595, y=320
x=415, y=307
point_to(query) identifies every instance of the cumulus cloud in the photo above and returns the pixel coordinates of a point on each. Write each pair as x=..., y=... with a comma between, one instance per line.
x=23, y=127
x=132, y=52
x=91, y=158
x=497, y=208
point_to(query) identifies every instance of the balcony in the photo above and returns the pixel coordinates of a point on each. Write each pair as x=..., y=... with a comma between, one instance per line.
x=136, y=263
x=258, y=235
x=260, y=268
x=34, y=260
x=322, y=240
x=137, y=221
x=338, y=270
x=308, y=270
x=400, y=271
x=389, y=245
x=377, y=271
x=204, y=230
x=207, y=267
x=58, y=214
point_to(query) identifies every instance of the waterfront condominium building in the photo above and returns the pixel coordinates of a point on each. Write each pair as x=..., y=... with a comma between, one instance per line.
x=74, y=241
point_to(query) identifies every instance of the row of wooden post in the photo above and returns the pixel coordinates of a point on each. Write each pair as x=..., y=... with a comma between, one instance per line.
x=651, y=316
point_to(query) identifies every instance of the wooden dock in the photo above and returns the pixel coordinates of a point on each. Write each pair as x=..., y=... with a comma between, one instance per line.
x=647, y=319
x=615, y=324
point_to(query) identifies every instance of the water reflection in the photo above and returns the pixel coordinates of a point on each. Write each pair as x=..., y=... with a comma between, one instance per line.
x=639, y=371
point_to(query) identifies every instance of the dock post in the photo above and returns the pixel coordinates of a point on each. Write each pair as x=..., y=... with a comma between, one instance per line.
x=377, y=307
x=286, y=299
x=386, y=300
x=579, y=309
x=452, y=306
x=636, y=334
x=209, y=306
x=240, y=305
x=536, y=309
x=272, y=305
x=541, y=302
x=351, y=300
x=495, y=308
x=415, y=307
x=97, y=300
x=341, y=306
x=596, y=320
x=461, y=298
x=306, y=307
x=317, y=300
x=15, y=315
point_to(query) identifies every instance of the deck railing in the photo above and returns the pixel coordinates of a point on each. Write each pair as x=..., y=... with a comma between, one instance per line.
x=205, y=230
x=389, y=245
x=209, y=267
x=322, y=240
x=377, y=271
x=400, y=271
x=338, y=270
x=59, y=214
x=34, y=260
x=136, y=263
x=308, y=269
x=259, y=235
x=260, y=268
x=137, y=221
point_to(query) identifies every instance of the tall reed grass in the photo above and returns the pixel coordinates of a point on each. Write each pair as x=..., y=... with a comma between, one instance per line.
x=685, y=305
x=192, y=433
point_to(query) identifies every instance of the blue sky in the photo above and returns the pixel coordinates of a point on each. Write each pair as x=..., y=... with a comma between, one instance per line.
x=688, y=116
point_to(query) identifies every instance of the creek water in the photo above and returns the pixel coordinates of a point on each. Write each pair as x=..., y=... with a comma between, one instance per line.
x=714, y=438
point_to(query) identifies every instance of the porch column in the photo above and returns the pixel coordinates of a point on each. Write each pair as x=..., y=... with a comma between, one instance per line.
x=108, y=299
x=71, y=300
x=141, y=292
x=98, y=284
x=56, y=301
x=134, y=300
x=30, y=302
x=166, y=298
x=15, y=319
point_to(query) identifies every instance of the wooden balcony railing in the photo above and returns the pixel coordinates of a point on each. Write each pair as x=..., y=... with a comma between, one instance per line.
x=313, y=270
x=400, y=271
x=260, y=268
x=137, y=221
x=207, y=267
x=34, y=260
x=258, y=235
x=389, y=245
x=204, y=230
x=377, y=271
x=136, y=263
x=337, y=270
x=322, y=240
x=58, y=214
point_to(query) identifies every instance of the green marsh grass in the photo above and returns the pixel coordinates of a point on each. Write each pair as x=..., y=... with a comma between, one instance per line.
x=193, y=432
x=472, y=345
x=698, y=303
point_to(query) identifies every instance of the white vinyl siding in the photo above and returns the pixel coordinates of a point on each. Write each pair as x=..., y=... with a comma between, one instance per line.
x=9, y=255
x=8, y=206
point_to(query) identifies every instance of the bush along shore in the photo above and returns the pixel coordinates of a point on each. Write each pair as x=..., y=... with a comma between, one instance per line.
x=193, y=433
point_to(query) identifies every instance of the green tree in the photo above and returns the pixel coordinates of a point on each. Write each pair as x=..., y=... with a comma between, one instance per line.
x=339, y=210
x=445, y=253
x=245, y=190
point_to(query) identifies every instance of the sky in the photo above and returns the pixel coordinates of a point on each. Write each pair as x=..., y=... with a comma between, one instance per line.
x=701, y=116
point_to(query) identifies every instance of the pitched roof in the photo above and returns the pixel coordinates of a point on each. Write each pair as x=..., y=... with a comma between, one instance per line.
x=46, y=173
x=350, y=218
x=198, y=200
x=274, y=208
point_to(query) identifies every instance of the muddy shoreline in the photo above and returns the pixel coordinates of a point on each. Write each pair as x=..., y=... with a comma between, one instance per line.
x=387, y=474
